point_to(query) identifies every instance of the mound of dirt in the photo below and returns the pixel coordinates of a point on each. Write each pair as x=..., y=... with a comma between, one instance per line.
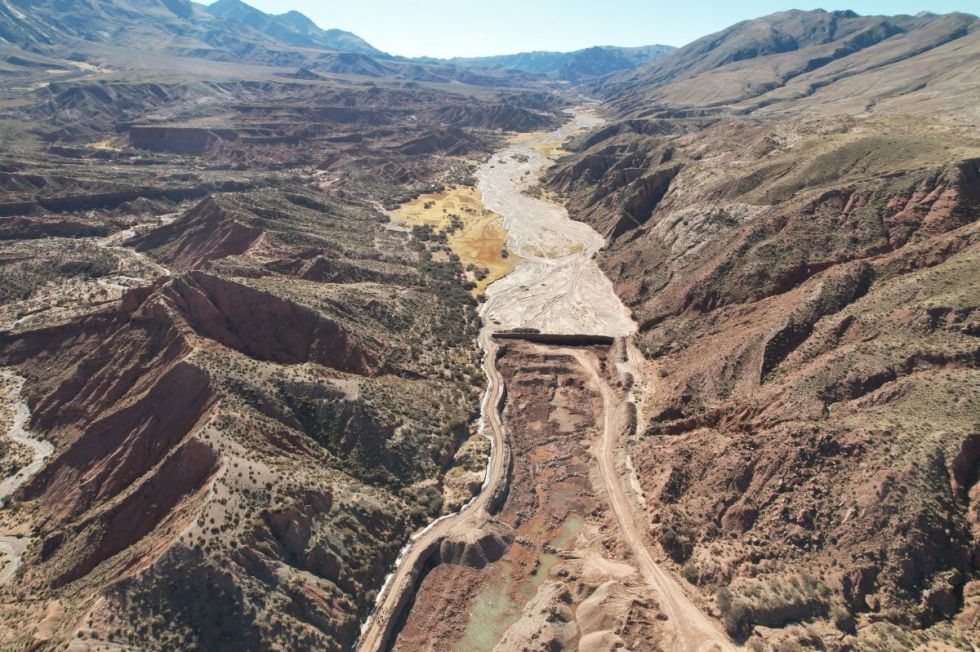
x=206, y=232
x=477, y=548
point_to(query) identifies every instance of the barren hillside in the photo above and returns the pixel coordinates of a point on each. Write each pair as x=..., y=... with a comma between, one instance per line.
x=307, y=346
x=803, y=271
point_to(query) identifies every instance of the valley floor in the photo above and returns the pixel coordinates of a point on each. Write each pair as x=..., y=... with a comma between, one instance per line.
x=499, y=576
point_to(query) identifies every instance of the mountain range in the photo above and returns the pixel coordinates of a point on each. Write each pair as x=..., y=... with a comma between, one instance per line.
x=266, y=290
x=165, y=24
x=573, y=66
x=291, y=27
x=231, y=30
x=804, y=61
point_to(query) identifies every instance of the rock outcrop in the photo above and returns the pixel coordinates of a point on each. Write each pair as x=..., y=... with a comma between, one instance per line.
x=805, y=286
x=477, y=548
x=254, y=432
x=206, y=232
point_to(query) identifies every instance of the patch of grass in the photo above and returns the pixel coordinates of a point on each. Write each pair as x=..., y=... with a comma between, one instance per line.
x=471, y=231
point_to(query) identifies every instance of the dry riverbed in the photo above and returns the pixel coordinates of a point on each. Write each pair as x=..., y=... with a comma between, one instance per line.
x=15, y=415
x=562, y=564
x=557, y=287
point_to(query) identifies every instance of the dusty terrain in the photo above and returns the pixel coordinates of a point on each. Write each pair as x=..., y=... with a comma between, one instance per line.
x=305, y=346
x=26, y=455
x=557, y=287
x=801, y=287
x=559, y=280
x=692, y=630
x=504, y=554
x=564, y=577
x=578, y=573
x=255, y=383
x=224, y=472
x=805, y=63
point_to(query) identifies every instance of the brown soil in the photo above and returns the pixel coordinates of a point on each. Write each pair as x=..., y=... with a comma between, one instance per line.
x=585, y=593
x=438, y=616
x=804, y=285
x=206, y=232
x=250, y=411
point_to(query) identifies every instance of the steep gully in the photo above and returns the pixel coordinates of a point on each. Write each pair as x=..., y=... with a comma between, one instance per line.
x=558, y=289
x=14, y=546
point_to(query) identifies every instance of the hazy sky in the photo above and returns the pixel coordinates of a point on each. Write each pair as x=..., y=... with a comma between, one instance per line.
x=446, y=28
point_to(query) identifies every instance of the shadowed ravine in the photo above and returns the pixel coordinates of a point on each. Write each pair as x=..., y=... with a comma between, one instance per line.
x=14, y=546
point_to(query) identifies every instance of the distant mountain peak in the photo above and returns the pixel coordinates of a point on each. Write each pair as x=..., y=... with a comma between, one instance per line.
x=588, y=63
x=297, y=17
x=180, y=8
x=292, y=27
x=222, y=5
x=230, y=7
x=227, y=29
x=796, y=59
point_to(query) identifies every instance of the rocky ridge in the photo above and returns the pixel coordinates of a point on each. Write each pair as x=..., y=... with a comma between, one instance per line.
x=803, y=294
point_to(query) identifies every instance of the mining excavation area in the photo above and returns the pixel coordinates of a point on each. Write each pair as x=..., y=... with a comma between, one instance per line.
x=553, y=559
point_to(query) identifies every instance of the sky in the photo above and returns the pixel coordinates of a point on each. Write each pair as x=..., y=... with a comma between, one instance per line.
x=447, y=28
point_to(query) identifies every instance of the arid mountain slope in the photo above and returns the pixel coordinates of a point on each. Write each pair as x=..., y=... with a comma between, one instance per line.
x=807, y=294
x=161, y=35
x=248, y=428
x=53, y=22
x=256, y=385
x=291, y=27
x=576, y=66
x=799, y=62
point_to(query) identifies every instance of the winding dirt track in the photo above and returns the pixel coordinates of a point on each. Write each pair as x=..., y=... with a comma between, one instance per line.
x=694, y=631
x=13, y=548
x=377, y=631
x=557, y=288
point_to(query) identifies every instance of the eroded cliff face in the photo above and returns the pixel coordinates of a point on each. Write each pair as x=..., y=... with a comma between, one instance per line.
x=243, y=447
x=206, y=232
x=552, y=571
x=807, y=294
x=255, y=384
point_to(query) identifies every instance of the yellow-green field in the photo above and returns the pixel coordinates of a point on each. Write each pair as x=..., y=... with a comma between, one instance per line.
x=482, y=238
x=109, y=144
x=552, y=150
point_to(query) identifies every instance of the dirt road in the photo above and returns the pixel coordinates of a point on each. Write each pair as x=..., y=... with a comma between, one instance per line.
x=397, y=589
x=557, y=288
x=13, y=548
x=694, y=631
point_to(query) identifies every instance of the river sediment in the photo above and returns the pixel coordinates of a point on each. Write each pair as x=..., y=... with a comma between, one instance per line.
x=558, y=286
x=13, y=545
x=553, y=415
